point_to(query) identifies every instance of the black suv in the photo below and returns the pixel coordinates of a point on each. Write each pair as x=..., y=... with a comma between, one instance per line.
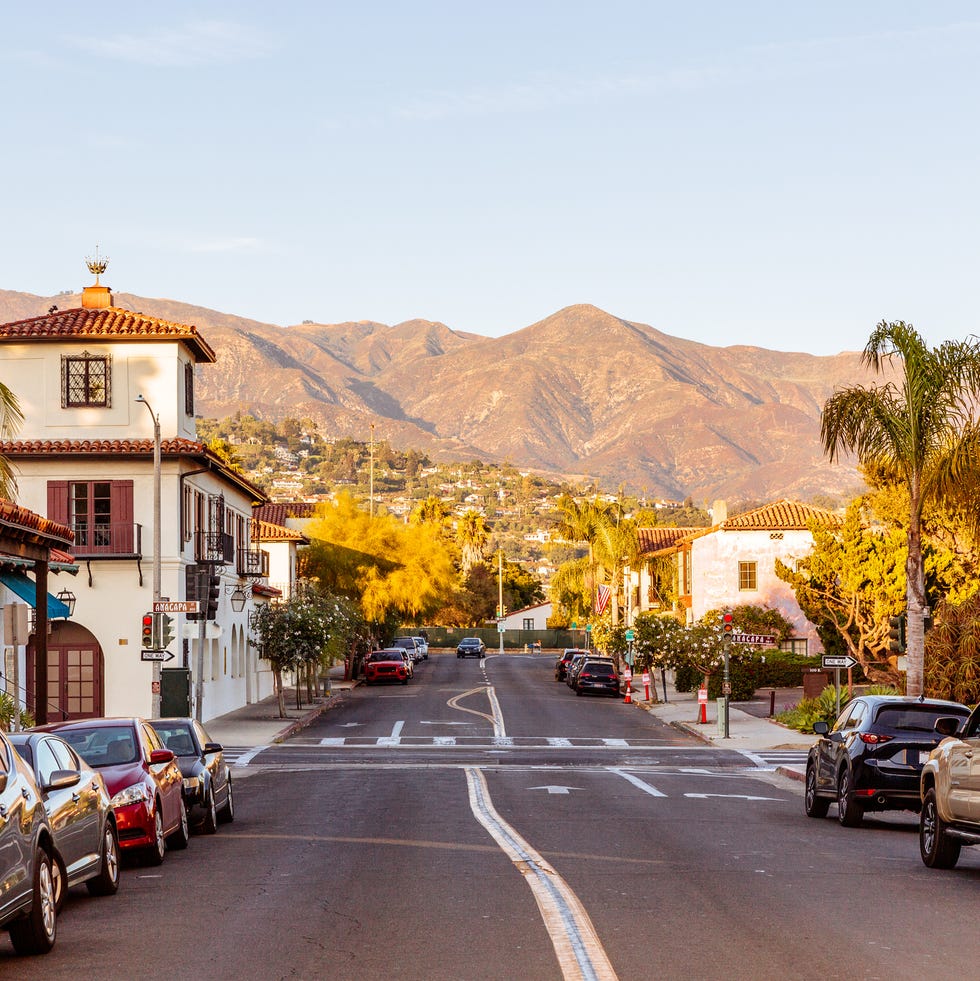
x=561, y=665
x=471, y=647
x=871, y=760
x=597, y=674
x=28, y=901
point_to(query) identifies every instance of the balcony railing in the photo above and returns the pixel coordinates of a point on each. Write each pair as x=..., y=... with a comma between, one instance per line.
x=253, y=562
x=112, y=539
x=214, y=547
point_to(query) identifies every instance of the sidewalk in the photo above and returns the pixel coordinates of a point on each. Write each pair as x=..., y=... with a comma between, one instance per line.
x=259, y=724
x=746, y=732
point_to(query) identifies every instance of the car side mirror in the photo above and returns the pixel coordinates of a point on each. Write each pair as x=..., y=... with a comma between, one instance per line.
x=947, y=725
x=62, y=780
x=161, y=756
x=820, y=727
x=3, y=782
x=212, y=747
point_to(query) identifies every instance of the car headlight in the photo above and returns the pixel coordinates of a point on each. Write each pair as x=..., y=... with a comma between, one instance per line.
x=192, y=783
x=131, y=795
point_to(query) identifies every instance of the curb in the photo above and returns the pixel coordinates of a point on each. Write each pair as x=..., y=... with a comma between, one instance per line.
x=298, y=724
x=788, y=771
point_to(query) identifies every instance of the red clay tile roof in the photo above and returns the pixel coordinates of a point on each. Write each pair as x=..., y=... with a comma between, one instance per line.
x=26, y=448
x=110, y=324
x=656, y=538
x=781, y=516
x=268, y=532
x=278, y=514
x=19, y=521
x=261, y=589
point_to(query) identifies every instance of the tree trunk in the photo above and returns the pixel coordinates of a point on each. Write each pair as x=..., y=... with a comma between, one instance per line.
x=915, y=598
x=280, y=694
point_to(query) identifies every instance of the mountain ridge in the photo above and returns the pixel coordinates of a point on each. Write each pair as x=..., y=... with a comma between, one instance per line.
x=580, y=392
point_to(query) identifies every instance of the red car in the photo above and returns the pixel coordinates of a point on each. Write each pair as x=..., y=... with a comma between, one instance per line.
x=142, y=777
x=386, y=665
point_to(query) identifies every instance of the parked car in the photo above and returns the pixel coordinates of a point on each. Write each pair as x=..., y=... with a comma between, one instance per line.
x=598, y=675
x=142, y=776
x=83, y=824
x=950, y=792
x=28, y=908
x=871, y=760
x=208, y=794
x=576, y=662
x=385, y=665
x=561, y=665
x=423, y=647
x=409, y=644
x=471, y=647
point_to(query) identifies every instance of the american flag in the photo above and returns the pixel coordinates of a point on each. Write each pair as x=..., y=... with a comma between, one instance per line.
x=602, y=595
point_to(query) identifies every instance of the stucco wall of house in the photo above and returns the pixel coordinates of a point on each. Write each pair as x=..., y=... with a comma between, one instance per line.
x=715, y=566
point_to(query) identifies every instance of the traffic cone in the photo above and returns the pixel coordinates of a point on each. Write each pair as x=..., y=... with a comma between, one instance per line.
x=628, y=699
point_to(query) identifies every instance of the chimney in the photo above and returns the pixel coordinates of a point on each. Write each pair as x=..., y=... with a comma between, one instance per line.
x=96, y=297
x=719, y=512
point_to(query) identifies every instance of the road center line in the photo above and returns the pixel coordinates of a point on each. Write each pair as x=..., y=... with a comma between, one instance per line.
x=395, y=738
x=637, y=782
x=580, y=953
x=247, y=758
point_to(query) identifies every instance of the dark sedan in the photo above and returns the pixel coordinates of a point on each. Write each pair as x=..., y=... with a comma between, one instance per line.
x=208, y=792
x=471, y=647
x=142, y=776
x=561, y=664
x=82, y=822
x=871, y=759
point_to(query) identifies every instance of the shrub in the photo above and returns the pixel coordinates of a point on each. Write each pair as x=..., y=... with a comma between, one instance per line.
x=810, y=710
x=7, y=714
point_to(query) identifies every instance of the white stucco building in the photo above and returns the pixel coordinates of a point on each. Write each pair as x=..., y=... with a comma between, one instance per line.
x=84, y=457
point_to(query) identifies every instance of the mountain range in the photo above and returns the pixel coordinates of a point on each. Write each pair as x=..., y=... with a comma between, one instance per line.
x=582, y=393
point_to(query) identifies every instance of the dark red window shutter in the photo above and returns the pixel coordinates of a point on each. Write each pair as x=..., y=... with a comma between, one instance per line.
x=58, y=501
x=121, y=508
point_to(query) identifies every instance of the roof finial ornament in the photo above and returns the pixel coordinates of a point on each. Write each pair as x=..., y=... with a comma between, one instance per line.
x=97, y=266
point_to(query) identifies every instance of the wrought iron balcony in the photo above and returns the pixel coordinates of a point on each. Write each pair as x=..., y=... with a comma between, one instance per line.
x=107, y=540
x=253, y=562
x=214, y=547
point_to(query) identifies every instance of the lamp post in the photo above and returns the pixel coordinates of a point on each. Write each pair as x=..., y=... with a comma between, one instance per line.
x=155, y=709
x=500, y=596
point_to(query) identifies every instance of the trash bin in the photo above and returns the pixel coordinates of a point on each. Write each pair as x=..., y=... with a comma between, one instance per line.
x=720, y=702
x=814, y=682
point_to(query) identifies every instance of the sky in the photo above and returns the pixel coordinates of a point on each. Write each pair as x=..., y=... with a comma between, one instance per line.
x=778, y=174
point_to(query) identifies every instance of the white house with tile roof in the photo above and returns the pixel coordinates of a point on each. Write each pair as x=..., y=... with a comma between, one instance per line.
x=85, y=457
x=733, y=563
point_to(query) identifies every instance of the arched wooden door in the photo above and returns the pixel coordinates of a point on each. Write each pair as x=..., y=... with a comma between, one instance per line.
x=76, y=674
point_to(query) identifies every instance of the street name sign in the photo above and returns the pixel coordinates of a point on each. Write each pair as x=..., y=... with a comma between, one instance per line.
x=837, y=661
x=176, y=606
x=156, y=656
x=762, y=640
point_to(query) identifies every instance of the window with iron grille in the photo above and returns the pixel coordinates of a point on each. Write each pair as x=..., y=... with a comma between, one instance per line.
x=85, y=380
x=747, y=581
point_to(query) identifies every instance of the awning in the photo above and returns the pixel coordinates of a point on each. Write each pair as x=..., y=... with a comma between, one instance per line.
x=26, y=589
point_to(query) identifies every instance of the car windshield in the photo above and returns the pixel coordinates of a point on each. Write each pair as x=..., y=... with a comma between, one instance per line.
x=102, y=746
x=385, y=656
x=176, y=737
x=915, y=718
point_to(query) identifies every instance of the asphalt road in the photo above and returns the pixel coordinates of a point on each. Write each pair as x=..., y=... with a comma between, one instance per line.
x=484, y=823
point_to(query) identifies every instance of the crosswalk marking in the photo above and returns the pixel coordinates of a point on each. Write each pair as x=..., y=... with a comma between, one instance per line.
x=558, y=741
x=617, y=743
x=444, y=741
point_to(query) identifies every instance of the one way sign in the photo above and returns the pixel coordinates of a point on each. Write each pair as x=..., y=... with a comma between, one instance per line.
x=837, y=661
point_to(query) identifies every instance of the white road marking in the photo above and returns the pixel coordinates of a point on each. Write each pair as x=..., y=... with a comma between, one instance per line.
x=444, y=741
x=333, y=741
x=580, y=953
x=555, y=788
x=616, y=742
x=247, y=757
x=639, y=784
x=558, y=741
x=754, y=758
x=427, y=723
x=350, y=725
x=498, y=715
x=395, y=738
x=735, y=796
x=502, y=741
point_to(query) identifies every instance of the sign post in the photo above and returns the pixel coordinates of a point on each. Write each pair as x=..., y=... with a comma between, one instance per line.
x=837, y=661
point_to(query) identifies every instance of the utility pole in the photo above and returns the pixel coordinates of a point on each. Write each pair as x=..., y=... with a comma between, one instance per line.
x=500, y=595
x=371, y=476
x=155, y=703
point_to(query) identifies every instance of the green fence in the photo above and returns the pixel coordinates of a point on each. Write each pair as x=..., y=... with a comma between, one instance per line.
x=514, y=640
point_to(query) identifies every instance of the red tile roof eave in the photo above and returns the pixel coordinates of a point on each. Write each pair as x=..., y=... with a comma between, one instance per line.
x=24, y=524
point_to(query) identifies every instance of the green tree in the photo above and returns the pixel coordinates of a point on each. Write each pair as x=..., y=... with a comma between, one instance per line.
x=921, y=428
x=472, y=535
x=616, y=548
x=11, y=419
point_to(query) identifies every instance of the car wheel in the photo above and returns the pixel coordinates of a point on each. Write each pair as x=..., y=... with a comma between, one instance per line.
x=578, y=691
x=154, y=854
x=36, y=932
x=107, y=881
x=59, y=879
x=227, y=813
x=849, y=812
x=815, y=807
x=179, y=839
x=210, y=823
x=937, y=849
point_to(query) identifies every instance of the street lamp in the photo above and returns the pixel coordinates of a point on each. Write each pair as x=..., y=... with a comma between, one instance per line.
x=238, y=599
x=68, y=598
x=155, y=711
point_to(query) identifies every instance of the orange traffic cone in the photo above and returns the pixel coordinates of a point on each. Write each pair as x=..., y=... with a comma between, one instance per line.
x=628, y=699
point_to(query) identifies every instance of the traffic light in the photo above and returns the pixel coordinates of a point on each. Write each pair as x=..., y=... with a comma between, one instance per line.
x=166, y=629
x=214, y=591
x=727, y=627
x=148, y=635
x=896, y=635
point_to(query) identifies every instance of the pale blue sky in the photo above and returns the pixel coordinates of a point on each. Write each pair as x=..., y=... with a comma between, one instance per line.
x=770, y=173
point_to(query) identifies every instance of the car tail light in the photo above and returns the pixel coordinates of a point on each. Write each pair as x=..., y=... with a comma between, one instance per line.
x=874, y=738
x=585, y=674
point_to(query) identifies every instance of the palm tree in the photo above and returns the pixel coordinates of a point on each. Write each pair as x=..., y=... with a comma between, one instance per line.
x=919, y=427
x=616, y=549
x=580, y=522
x=11, y=418
x=472, y=535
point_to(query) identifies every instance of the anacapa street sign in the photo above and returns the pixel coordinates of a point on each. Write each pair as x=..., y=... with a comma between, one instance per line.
x=177, y=606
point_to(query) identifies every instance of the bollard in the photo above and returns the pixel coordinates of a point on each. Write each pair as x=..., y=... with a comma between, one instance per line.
x=628, y=679
x=646, y=686
x=703, y=706
x=772, y=703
